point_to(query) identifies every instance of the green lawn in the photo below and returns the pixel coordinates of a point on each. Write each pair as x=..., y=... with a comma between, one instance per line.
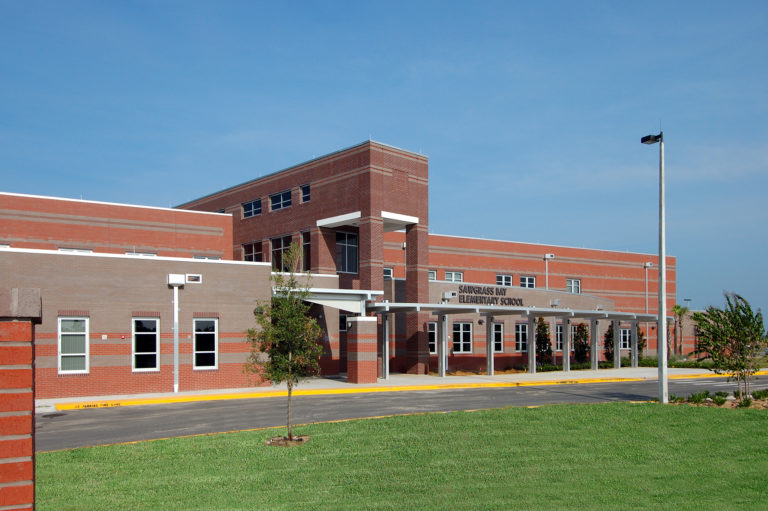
x=610, y=456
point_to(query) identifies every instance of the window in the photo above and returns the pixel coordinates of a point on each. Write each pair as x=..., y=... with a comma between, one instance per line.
x=346, y=252
x=209, y=258
x=388, y=273
x=206, y=343
x=222, y=210
x=432, y=275
x=306, y=251
x=503, y=280
x=252, y=252
x=342, y=322
x=73, y=345
x=498, y=337
x=432, y=332
x=141, y=254
x=279, y=245
x=521, y=337
x=78, y=250
x=454, y=276
x=626, y=339
x=527, y=281
x=145, y=345
x=251, y=208
x=280, y=200
x=559, y=340
x=573, y=286
x=462, y=337
x=305, y=195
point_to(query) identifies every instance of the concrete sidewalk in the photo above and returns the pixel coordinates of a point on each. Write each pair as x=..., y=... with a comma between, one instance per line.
x=396, y=383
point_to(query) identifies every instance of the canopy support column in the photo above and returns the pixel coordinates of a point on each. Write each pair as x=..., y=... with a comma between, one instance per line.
x=385, y=346
x=594, y=335
x=442, y=355
x=634, y=357
x=530, y=342
x=489, y=345
x=616, y=344
x=566, y=344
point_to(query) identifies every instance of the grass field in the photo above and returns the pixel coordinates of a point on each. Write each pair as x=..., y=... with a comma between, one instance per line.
x=610, y=456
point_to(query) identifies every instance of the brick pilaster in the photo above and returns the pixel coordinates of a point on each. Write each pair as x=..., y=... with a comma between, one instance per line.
x=362, y=349
x=20, y=309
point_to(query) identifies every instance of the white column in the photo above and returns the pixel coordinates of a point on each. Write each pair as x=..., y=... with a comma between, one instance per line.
x=175, y=338
x=531, y=341
x=634, y=357
x=385, y=346
x=594, y=336
x=489, y=345
x=442, y=355
x=553, y=329
x=566, y=344
x=616, y=344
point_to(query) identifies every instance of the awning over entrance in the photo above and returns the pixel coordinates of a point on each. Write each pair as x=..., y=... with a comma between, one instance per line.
x=350, y=300
x=392, y=221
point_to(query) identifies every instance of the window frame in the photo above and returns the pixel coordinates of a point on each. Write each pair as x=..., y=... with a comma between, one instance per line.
x=528, y=281
x=343, y=322
x=85, y=354
x=431, y=275
x=196, y=351
x=625, y=338
x=306, y=193
x=503, y=280
x=454, y=275
x=253, y=252
x=462, y=342
x=498, y=343
x=344, y=250
x=277, y=250
x=389, y=272
x=432, y=337
x=521, y=345
x=573, y=286
x=253, y=205
x=280, y=200
x=133, y=345
x=306, y=251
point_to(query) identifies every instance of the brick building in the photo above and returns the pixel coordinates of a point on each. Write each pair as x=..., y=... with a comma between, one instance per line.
x=389, y=295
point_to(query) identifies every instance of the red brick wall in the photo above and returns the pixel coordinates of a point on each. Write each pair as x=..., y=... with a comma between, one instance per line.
x=19, y=310
x=28, y=221
x=362, y=350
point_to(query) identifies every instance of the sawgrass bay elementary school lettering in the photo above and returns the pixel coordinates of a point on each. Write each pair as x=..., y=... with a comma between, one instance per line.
x=487, y=295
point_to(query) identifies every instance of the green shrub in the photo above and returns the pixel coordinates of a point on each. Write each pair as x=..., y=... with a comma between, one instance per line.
x=745, y=403
x=719, y=400
x=698, y=397
x=760, y=394
x=721, y=393
x=676, y=399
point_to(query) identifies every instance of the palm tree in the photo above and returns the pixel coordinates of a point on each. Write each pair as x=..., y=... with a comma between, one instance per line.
x=679, y=311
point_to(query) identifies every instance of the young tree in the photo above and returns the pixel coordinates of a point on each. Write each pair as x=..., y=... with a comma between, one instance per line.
x=679, y=311
x=285, y=347
x=641, y=341
x=581, y=343
x=543, y=342
x=733, y=337
x=608, y=342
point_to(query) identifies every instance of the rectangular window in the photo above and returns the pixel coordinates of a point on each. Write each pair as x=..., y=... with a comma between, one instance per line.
x=558, y=337
x=252, y=252
x=342, y=322
x=432, y=330
x=454, y=276
x=388, y=273
x=306, y=251
x=462, y=337
x=626, y=339
x=527, y=281
x=206, y=343
x=503, y=280
x=573, y=286
x=279, y=246
x=280, y=200
x=73, y=345
x=498, y=337
x=145, y=344
x=251, y=208
x=346, y=252
x=141, y=254
x=305, y=193
x=222, y=210
x=432, y=275
x=77, y=250
x=521, y=337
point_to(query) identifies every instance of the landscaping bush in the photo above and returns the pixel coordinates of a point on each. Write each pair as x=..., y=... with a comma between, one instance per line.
x=760, y=394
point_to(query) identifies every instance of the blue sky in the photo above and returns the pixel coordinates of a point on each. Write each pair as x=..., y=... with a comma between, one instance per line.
x=530, y=112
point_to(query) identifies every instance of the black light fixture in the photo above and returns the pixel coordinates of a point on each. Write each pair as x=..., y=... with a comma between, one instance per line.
x=652, y=139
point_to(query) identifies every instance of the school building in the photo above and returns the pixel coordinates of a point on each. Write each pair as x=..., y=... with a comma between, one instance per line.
x=140, y=299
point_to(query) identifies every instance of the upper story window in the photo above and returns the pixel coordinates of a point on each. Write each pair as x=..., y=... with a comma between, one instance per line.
x=280, y=200
x=305, y=193
x=222, y=210
x=346, y=252
x=141, y=254
x=527, y=281
x=573, y=286
x=388, y=273
x=503, y=280
x=454, y=276
x=77, y=250
x=252, y=252
x=432, y=275
x=279, y=246
x=306, y=251
x=251, y=208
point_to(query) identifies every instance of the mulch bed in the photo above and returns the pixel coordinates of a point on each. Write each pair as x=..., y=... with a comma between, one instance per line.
x=284, y=441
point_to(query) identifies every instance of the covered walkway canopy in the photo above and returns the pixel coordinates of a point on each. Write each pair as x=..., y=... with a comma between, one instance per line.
x=443, y=310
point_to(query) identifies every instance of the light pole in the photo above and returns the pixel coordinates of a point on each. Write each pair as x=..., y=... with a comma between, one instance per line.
x=547, y=257
x=661, y=334
x=646, y=265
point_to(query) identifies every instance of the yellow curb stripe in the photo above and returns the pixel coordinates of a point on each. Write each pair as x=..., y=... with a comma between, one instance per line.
x=317, y=392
